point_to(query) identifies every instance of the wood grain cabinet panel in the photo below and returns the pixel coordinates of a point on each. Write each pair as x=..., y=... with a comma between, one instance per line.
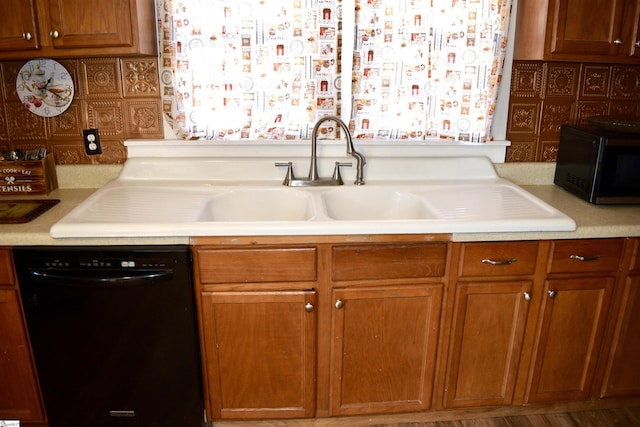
x=71, y=28
x=585, y=256
x=6, y=268
x=381, y=262
x=567, y=30
x=257, y=265
x=93, y=23
x=384, y=348
x=258, y=330
x=490, y=304
x=569, y=338
x=622, y=376
x=487, y=334
x=303, y=329
x=19, y=391
x=498, y=259
x=18, y=29
x=259, y=354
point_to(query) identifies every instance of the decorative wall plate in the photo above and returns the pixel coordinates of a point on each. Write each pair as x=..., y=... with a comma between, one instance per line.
x=45, y=87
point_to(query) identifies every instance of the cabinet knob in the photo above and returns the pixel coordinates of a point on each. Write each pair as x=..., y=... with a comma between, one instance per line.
x=308, y=307
x=618, y=41
x=54, y=34
x=552, y=293
x=637, y=43
x=339, y=303
x=527, y=296
x=27, y=36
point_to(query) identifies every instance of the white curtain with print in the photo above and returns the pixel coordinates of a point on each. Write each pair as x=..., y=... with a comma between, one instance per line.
x=268, y=69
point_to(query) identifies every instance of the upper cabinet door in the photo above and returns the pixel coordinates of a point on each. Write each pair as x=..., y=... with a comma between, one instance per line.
x=73, y=28
x=593, y=29
x=570, y=30
x=90, y=23
x=18, y=30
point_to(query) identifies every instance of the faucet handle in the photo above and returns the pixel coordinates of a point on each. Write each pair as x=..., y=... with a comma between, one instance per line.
x=337, y=178
x=289, y=177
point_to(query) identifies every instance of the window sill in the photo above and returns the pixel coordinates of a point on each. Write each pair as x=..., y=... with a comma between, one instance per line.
x=494, y=150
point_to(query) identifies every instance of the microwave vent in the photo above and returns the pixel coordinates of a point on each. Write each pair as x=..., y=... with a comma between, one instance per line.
x=577, y=181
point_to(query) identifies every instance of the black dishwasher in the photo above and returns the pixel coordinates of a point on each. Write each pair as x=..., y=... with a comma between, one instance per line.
x=113, y=334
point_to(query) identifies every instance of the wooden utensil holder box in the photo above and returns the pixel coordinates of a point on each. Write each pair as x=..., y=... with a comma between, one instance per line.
x=28, y=177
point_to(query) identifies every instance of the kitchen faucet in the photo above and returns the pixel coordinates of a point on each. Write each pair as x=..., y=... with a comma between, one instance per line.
x=313, y=179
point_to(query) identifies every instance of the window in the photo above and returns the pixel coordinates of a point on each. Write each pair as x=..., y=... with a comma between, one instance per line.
x=393, y=69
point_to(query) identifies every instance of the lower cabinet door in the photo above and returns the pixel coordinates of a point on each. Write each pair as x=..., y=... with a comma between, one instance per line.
x=19, y=392
x=259, y=351
x=488, y=329
x=622, y=378
x=569, y=337
x=384, y=348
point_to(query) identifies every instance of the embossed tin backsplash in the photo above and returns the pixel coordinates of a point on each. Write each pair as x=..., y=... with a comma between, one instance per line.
x=118, y=96
x=544, y=95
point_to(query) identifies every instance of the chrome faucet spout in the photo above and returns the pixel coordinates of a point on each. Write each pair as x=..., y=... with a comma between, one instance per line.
x=360, y=160
x=313, y=179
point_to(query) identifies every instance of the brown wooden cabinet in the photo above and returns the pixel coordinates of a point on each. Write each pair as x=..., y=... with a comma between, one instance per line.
x=386, y=302
x=260, y=353
x=491, y=301
x=575, y=306
x=68, y=28
x=622, y=376
x=19, y=392
x=570, y=30
x=322, y=327
x=257, y=311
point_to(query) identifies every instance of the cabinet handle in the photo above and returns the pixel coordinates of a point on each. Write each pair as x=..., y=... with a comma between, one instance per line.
x=618, y=41
x=527, y=296
x=339, y=303
x=27, y=36
x=499, y=262
x=637, y=43
x=308, y=307
x=54, y=34
x=552, y=293
x=586, y=258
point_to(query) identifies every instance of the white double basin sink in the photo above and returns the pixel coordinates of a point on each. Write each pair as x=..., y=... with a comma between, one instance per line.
x=132, y=206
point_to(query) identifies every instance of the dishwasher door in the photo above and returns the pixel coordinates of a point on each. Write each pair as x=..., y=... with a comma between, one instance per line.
x=113, y=334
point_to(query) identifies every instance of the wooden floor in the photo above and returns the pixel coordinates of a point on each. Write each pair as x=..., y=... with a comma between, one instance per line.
x=549, y=416
x=623, y=417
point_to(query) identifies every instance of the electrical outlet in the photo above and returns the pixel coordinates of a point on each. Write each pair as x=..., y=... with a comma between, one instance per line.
x=91, y=141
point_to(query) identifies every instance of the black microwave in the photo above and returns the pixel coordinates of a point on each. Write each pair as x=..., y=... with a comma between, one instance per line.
x=598, y=165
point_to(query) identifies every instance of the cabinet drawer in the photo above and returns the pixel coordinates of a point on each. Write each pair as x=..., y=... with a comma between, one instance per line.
x=256, y=265
x=6, y=268
x=636, y=255
x=367, y=262
x=498, y=259
x=588, y=255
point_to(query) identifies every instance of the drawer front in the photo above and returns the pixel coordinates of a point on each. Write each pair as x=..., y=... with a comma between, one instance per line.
x=256, y=265
x=636, y=255
x=369, y=262
x=582, y=256
x=6, y=268
x=498, y=259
